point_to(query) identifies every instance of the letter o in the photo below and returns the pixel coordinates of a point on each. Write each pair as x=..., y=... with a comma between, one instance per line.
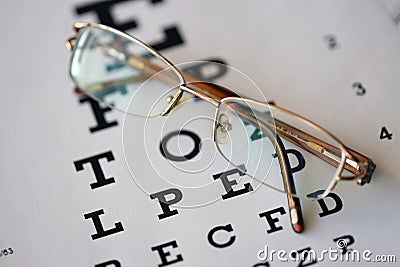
x=197, y=145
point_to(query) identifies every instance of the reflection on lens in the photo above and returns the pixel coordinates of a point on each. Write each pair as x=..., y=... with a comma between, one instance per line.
x=112, y=68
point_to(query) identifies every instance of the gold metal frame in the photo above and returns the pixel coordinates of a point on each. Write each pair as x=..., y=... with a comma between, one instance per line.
x=342, y=157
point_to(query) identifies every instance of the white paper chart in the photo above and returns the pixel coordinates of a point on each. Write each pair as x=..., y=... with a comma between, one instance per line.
x=76, y=176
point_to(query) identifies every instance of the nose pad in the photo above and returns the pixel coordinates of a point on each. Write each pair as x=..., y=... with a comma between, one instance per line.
x=170, y=98
x=172, y=101
x=223, y=129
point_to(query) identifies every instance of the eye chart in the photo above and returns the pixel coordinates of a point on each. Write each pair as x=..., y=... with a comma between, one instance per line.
x=72, y=195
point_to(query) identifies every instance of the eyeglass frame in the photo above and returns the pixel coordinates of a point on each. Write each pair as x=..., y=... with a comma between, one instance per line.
x=361, y=166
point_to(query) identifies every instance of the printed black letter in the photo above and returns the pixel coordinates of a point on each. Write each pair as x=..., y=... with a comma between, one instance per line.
x=164, y=254
x=95, y=216
x=101, y=180
x=164, y=203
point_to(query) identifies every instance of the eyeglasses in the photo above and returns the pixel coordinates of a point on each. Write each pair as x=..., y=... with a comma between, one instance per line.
x=114, y=68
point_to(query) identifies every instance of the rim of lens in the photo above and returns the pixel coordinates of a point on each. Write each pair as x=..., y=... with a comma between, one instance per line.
x=246, y=100
x=343, y=150
x=169, y=64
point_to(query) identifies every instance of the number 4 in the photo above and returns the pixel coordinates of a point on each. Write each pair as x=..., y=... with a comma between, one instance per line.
x=385, y=134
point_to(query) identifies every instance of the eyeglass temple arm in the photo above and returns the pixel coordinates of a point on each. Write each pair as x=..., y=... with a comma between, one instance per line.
x=296, y=215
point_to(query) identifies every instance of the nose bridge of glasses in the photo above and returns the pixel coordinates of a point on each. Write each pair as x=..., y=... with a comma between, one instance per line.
x=210, y=92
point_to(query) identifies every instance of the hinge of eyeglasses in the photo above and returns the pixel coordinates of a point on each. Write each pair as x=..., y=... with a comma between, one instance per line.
x=70, y=43
x=80, y=25
x=172, y=101
x=369, y=170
